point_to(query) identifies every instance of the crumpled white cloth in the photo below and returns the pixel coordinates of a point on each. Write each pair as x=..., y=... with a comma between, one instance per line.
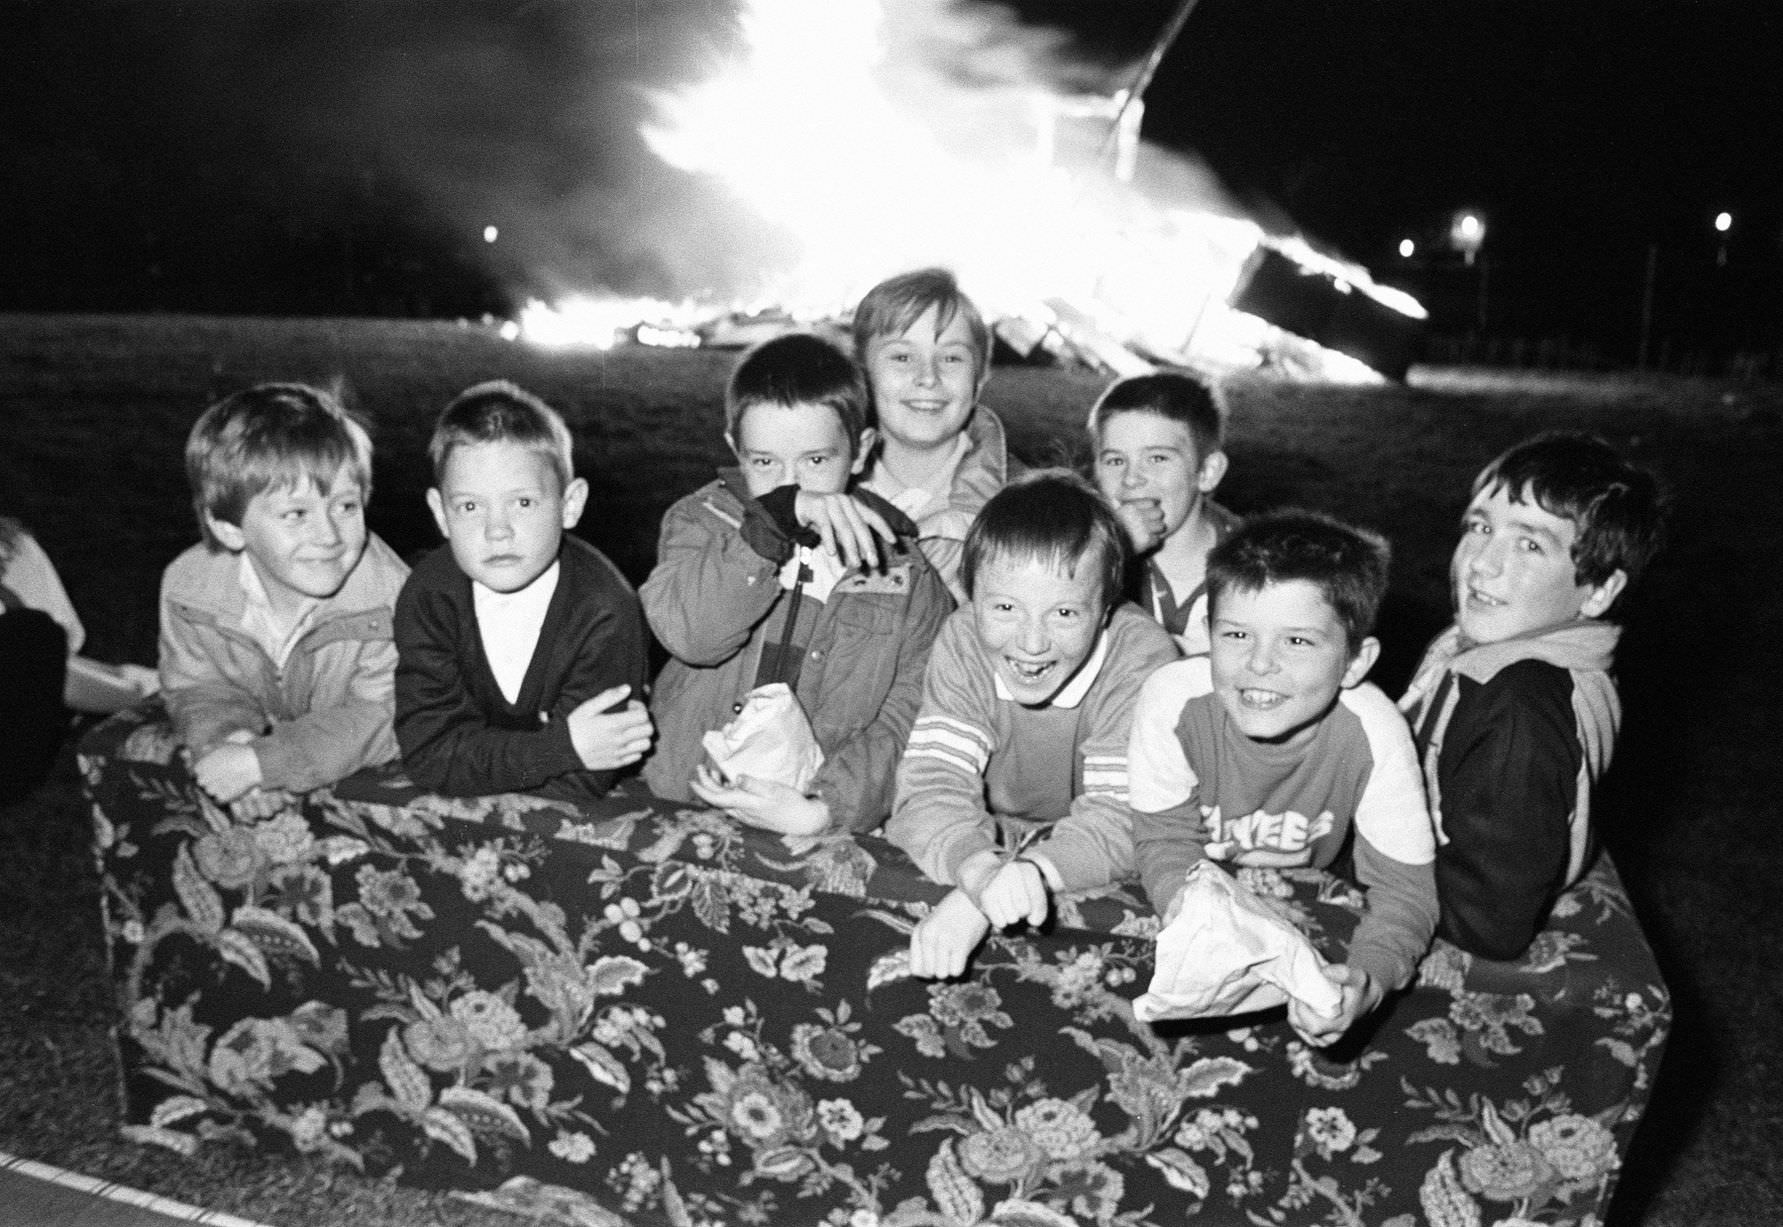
x=1227, y=952
x=770, y=739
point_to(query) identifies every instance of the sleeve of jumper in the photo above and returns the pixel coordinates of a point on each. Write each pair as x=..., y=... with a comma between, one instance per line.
x=329, y=743
x=1092, y=845
x=1395, y=847
x=608, y=651
x=1508, y=775
x=710, y=588
x=1169, y=836
x=32, y=576
x=448, y=745
x=203, y=701
x=939, y=816
x=859, y=780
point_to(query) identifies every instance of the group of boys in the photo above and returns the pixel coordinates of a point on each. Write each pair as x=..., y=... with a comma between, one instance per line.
x=1045, y=736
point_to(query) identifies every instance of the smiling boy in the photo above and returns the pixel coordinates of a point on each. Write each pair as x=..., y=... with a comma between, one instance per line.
x=941, y=454
x=275, y=646
x=784, y=571
x=521, y=647
x=1014, y=786
x=1514, y=708
x=1272, y=748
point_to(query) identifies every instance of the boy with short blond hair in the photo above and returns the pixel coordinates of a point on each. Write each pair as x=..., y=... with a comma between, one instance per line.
x=927, y=353
x=1514, y=707
x=521, y=647
x=276, y=657
x=1271, y=749
x=1014, y=786
x=784, y=571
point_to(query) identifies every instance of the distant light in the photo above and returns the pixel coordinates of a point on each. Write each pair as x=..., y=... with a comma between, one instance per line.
x=1724, y=222
x=510, y=330
x=490, y=234
x=1406, y=248
x=1469, y=228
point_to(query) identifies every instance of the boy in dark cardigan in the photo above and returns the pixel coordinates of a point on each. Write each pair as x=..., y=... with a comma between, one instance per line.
x=521, y=659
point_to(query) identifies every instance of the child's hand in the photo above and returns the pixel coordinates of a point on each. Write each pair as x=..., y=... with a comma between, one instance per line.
x=1360, y=996
x=1015, y=893
x=146, y=680
x=766, y=804
x=1143, y=518
x=604, y=740
x=946, y=937
x=229, y=770
x=1231, y=853
x=850, y=529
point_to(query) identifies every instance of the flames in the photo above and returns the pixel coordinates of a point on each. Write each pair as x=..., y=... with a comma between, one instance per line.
x=844, y=126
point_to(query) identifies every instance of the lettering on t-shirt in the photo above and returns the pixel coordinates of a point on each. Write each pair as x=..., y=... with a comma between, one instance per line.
x=1284, y=832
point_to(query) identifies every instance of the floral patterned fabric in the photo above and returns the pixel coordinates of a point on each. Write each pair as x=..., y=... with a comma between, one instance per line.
x=635, y=1013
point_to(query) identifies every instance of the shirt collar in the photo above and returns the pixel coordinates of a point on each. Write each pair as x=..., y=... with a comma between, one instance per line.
x=533, y=599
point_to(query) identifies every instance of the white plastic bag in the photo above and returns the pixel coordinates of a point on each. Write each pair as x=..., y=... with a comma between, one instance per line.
x=1227, y=952
x=770, y=739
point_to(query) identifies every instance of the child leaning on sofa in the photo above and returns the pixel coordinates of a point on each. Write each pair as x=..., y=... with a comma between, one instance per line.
x=1272, y=748
x=1514, y=708
x=1014, y=786
x=276, y=655
x=785, y=570
x=521, y=647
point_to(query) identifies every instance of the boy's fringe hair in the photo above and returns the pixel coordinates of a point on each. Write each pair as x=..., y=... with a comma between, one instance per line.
x=1348, y=564
x=1175, y=395
x=501, y=412
x=1617, y=508
x=889, y=308
x=272, y=435
x=1054, y=517
x=800, y=368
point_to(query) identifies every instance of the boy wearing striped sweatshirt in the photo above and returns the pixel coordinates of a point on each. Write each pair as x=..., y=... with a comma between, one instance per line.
x=1272, y=750
x=1014, y=784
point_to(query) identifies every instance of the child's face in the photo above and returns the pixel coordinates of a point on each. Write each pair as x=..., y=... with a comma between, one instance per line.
x=924, y=385
x=303, y=539
x=800, y=445
x=1036, y=625
x=500, y=506
x=1279, y=658
x=1513, y=571
x=1144, y=457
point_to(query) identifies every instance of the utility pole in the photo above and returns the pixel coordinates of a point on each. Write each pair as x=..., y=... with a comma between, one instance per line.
x=1147, y=70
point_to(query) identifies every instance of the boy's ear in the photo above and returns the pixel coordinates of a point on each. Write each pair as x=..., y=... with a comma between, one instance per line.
x=1367, y=652
x=1213, y=470
x=437, y=505
x=863, y=449
x=575, y=497
x=1601, y=596
x=228, y=535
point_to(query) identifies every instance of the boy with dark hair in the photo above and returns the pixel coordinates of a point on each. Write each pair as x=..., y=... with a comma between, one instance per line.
x=1514, y=708
x=1272, y=748
x=1158, y=453
x=1014, y=786
x=521, y=646
x=275, y=651
x=783, y=571
x=927, y=354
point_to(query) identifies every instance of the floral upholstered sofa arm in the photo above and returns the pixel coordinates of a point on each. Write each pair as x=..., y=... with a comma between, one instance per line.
x=641, y=1013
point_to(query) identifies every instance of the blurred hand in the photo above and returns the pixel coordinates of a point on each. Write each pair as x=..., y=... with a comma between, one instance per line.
x=605, y=741
x=229, y=770
x=945, y=939
x=1143, y=518
x=1360, y=996
x=146, y=680
x=1016, y=893
x=850, y=529
x=766, y=804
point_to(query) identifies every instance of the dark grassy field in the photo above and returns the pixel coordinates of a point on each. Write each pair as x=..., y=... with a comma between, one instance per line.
x=93, y=412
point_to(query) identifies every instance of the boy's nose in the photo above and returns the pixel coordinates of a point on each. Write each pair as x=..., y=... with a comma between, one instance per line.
x=1131, y=478
x=1033, y=638
x=1262, y=658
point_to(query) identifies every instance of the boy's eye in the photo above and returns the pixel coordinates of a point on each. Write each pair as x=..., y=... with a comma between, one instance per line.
x=1529, y=545
x=1299, y=641
x=466, y=507
x=1113, y=462
x=525, y=504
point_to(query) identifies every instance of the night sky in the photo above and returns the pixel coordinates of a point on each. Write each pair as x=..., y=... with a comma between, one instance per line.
x=318, y=155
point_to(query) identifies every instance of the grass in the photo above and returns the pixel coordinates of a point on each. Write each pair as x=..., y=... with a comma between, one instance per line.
x=93, y=411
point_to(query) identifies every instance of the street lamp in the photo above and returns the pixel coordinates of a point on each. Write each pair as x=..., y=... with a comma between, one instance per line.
x=1406, y=248
x=1723, y=224
x=1467, y=232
